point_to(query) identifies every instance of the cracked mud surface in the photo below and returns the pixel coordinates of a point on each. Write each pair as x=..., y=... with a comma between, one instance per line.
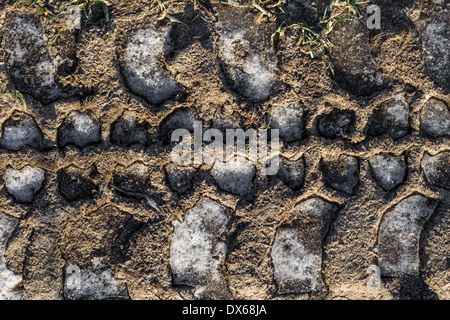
x=92, y=206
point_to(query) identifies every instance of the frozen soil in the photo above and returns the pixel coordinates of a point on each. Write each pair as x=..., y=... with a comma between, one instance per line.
x=92, y=206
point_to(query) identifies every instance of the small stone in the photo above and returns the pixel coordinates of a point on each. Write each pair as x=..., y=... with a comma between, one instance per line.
x=96, y=283
x=336, y=124
x=292, y=173
x=19, y=131
x=180, y=177
x=234, y=176
x=76, y=183
x=23, y=184
x=435, y=118
x=436, y=41
x=341, y=174
x=288, y=118
x=389, y=171
x=391, y=118
x=297, y=248
x=79, y=129
x=355, y=68
x=399, y=235
x=128, y=131
x=437, y=169
x=8, y=279
x=144, y=69
x=198, y=250
x=245, y=50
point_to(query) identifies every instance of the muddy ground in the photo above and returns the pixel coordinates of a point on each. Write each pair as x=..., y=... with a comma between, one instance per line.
x=92, y=208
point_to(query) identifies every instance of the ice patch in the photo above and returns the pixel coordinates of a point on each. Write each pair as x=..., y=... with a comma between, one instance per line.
x=197, y=250
x=23, y=184
x=143, y=69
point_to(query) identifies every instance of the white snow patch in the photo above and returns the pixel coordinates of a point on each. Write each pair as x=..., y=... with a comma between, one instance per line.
x=288, y=119
x=143, y=68
x=399, y=235
x=234, y=175
x=21, y=133
x=254, y=74
x=23, y=184
x=96, y=283
x=293, y=263
x=8, y=279
x=196, y=251
x=83, y=131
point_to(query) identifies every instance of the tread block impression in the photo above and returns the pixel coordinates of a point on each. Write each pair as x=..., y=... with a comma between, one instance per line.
x=435, y=118
x=436, y=41
x=297, y=248
x=391, y=118
x=81, y=129
x=292, y=173
x=128, y=131
x=235, y=175
x=336, y=124
x=76, y=183
x=93, y=283
x=23, y=184
x=437, y=169
x=180, y=177
x=8, y=279
x=143, y=66
x=289, y=119
x=246, y=52
x=356, y=69
x=198, y=250
x=341, y=173
x=29, y=61
x=20, y=130
x=399, y=235
x=389, y=170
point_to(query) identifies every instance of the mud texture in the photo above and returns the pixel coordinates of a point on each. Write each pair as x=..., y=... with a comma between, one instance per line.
x=93, y=207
